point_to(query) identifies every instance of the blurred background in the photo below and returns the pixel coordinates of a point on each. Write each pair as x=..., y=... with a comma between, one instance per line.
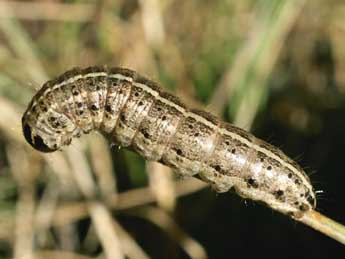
x=276, y=68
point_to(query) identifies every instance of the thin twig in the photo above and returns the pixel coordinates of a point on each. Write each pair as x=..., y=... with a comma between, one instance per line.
x=324, y=225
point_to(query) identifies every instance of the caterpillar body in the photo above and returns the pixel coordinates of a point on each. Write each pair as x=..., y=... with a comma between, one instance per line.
x=137, y=113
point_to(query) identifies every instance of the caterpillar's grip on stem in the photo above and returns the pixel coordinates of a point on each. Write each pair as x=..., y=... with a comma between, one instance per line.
x=135, y=112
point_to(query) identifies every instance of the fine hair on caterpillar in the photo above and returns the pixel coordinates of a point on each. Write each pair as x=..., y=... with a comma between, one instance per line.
x=137, y=113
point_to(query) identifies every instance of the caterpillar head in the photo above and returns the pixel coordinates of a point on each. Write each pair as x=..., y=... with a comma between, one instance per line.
x=46, y=129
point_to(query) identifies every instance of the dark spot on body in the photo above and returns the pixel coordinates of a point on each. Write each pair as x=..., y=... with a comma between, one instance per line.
x=262, y=159
x=296, y=203
x=136, y=94
x=217, y=168
x=140, y=103
x=75, y=93
x=297, y=182
x=227, y=143
x=123, y=117
x=279, y=193
x=196, y=134
x=233, y=150
x=159, y=109
x=56, y=124
x=190, y=126
x=252, y=183
x=303, y=207
x=94, y=107
x=269, y=168
x=80, y=105
x=179, y=152
x=108, y=108
x=80, y=112
x=146, y=135
x=290, y=175
x=164, y=118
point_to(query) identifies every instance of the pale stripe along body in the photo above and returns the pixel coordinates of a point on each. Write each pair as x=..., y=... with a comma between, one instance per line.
x=135, y=112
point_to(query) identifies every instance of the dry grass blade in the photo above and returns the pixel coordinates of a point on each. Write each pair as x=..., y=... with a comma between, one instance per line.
x=100, y=216
x=10, y=115
x=102, y=221
x=22, y=45
x=47, y=11
x=25, y=207
x=102, y=168
x=46, y=254
x=153, y=22
x=45, y=211
x=161, y=182
x=272, y=36
x=128, y=244
x=61, y=169
x=166, y=222
x=258, y=54
x=81, y=172
x=140, y=196
x=67, y=237
x=70, y=212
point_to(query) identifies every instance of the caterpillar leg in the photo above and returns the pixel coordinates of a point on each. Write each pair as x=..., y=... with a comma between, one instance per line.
x=183, y=174
x=218, y=182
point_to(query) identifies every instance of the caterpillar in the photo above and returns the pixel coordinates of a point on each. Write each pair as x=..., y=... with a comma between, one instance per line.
x=135, y=112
